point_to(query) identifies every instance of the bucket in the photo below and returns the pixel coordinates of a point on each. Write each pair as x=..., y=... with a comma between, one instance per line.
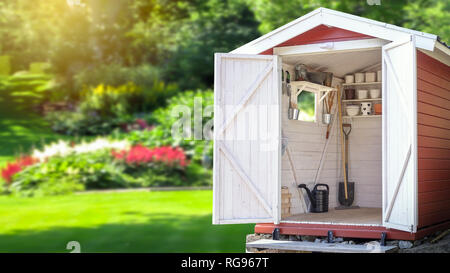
x=293, y=113
x=327, y=118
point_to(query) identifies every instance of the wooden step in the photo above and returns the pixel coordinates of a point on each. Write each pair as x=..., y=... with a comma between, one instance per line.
x=319, y=247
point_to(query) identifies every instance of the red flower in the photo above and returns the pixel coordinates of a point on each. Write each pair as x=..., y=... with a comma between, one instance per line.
x=139, y=154
x=14, y=167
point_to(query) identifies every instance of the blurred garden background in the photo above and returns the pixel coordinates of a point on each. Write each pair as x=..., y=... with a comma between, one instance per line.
x=88, y=91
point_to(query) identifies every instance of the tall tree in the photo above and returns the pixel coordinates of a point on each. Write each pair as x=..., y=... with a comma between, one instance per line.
x=275, y=13
x=216, y=26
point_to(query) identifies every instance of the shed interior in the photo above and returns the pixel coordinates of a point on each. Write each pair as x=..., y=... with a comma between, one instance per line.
x=315, y=159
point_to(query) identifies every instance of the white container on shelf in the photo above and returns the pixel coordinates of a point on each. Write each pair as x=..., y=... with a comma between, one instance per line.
x=349, y=78
x=362, y=94
x=370, y=76
x=359, y=77
x=352, y=110
x=366, y=108
x=375, y=93
x=379, y=76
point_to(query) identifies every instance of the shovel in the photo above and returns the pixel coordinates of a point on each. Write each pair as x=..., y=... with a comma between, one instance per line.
x=346, y=190
x=346, y=128
x=346, y=201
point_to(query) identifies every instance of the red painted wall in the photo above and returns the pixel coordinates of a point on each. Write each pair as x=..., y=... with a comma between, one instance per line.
x=433, y=121
x=321, y=34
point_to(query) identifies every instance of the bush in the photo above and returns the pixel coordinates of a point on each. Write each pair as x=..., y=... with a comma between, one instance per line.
x=154, y=92
x=115, y=75
x=104, y=108
x=161, y=166
x=61, y=168
x=200, y=151
x=62, y=175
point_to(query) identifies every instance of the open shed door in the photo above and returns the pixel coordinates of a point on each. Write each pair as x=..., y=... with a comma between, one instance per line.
x=247, y=149
x=400, y=135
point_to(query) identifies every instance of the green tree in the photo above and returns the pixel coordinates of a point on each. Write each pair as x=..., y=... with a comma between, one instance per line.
x=432, y=16
x=216, y=26
x=275, y=13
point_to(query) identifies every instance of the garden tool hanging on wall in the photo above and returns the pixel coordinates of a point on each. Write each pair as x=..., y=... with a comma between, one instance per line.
x=328, y=117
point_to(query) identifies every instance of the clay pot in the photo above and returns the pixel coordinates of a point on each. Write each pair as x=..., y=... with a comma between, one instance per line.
x=378, y=108
x=349, y=94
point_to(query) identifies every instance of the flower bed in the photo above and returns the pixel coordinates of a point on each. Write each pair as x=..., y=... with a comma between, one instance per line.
x=101, y=164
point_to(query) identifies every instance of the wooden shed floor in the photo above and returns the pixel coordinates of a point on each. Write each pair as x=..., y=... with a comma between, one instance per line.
x=361, y=216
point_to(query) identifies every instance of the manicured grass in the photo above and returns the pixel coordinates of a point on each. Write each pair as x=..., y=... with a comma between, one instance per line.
x=178, y=221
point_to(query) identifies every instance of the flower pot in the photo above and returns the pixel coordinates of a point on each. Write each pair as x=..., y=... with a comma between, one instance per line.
x=359, y=77
x=349, y=79
x=350, y=94
x=362, y=94
x=378, y=108
x=370, y=76
x=375, y=93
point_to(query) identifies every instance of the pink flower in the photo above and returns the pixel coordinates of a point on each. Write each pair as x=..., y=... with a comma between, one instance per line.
x=139, y=154
x=18, y=165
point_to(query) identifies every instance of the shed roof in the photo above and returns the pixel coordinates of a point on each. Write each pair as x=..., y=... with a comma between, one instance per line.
x=324, y=16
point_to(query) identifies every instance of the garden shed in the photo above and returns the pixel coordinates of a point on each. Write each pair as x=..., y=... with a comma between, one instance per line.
x=398, y=157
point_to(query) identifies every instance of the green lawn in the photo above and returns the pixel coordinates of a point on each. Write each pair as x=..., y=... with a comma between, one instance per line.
x=117, y=222
x=101, y=222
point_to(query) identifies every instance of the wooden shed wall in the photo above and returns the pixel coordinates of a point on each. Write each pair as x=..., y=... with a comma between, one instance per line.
x=433, y=118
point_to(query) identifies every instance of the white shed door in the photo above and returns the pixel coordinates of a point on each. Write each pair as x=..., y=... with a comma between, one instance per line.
x=247, y=149
x=399, y=136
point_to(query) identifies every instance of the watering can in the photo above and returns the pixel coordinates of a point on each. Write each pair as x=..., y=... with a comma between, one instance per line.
x=318, y=197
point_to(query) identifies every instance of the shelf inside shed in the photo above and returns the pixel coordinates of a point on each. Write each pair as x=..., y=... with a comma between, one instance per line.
x=361, y=84
x=312, y=87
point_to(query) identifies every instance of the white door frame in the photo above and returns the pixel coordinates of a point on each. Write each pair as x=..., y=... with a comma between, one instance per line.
x=354, y=46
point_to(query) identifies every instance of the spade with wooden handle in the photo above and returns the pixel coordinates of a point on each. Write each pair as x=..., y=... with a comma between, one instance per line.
x=347, y=128
x=342, y=139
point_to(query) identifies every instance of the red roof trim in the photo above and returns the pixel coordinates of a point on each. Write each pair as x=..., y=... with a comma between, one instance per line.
x=320, y=34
